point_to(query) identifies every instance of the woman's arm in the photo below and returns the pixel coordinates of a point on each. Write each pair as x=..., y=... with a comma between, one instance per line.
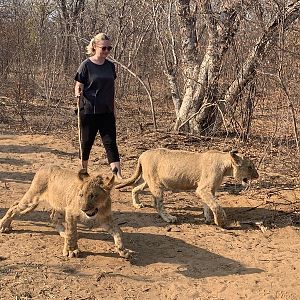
x=78, y=88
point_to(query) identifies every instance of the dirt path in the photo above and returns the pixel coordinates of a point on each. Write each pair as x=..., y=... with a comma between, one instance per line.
x=187, y=260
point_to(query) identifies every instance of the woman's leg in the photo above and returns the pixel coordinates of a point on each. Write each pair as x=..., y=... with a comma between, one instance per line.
x=88, y=130
x=107, y=129
x=84, y=164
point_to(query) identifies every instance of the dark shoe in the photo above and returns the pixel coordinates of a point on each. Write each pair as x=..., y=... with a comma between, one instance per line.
x=115, y=171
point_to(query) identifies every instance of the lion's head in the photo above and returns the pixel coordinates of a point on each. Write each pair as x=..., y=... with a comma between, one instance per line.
x=94, y=193
x=243, y=168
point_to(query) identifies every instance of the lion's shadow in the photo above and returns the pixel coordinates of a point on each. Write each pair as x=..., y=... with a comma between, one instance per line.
x=189, y=260
x=194, y=215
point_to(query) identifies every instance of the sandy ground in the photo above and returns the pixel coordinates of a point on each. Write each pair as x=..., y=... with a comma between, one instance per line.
x=187, y=260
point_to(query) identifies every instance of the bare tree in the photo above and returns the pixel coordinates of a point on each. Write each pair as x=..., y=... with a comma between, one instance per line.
x=71, y=17
x=203, y=105
x=213, y=58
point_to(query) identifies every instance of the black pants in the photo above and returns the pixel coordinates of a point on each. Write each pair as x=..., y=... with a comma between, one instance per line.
x=106, y=125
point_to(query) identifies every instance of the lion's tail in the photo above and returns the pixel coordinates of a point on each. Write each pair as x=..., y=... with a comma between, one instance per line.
x=133, y=178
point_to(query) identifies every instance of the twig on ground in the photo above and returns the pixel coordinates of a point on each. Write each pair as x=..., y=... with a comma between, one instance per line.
x=259, y=224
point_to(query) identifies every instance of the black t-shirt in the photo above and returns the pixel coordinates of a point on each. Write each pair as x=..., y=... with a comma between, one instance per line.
x=99, y=87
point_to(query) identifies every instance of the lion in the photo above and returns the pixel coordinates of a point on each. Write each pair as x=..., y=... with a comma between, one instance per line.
x=176, y=170
x=73, y=197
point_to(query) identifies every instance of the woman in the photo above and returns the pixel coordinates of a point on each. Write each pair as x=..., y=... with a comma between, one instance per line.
x=95, y=90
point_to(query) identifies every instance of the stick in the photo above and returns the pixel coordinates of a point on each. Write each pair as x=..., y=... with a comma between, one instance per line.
x=78, y=124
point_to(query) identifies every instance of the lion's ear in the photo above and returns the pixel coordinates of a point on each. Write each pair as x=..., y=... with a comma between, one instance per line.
x=83, y=174
x=236, y=159
x=108, y=183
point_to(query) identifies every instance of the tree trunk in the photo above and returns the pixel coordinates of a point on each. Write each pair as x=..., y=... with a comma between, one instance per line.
x=190, y=64
x=198, y=110
x=201, y=112
x=71, y=17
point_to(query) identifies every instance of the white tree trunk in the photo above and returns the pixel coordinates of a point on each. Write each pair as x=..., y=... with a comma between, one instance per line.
x=201, y=88
x=201, y=109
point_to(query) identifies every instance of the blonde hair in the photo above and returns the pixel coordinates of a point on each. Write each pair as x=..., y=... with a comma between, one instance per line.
x=90, y=48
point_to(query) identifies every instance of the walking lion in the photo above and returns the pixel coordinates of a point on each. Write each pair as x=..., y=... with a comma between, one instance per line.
x=176, y=170
x=76, y=196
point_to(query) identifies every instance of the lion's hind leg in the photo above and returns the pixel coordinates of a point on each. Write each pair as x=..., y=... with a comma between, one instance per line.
x=57, y=219
x=28, y=203
x=208, y=214
x=159, y=205
x=135, y=195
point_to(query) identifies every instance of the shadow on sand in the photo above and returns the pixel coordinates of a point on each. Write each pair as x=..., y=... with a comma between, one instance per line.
x=190, y=261
x=34, y=149
x=16, y=177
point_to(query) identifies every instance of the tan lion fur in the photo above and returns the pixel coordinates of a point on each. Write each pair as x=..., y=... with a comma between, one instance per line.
x=176, y=170
x=73, y=196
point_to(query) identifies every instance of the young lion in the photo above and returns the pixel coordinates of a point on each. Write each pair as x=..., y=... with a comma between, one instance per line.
x=76, y=196
x=176, y=170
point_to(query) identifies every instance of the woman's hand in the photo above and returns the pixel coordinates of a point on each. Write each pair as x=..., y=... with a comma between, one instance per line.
x=78, y=89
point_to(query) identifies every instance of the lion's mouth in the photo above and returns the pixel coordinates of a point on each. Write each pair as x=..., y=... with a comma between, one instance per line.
x=91, y=213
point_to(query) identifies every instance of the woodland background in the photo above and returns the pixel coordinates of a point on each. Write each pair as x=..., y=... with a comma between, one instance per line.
x=214, y=67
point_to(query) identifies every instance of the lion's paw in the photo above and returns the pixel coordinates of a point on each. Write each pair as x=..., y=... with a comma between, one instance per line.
x=139, y=205
x=173, y=219
x=71, y=253
x=169, y=218
x=209, y=218
x=125, y=253
x=61, y=230
x=5, y=229
x=62, y=234
x=220, y=217
x=208, y=215
x=208, y=221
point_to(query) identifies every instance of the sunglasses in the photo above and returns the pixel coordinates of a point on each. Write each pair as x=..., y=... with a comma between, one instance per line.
x=104, y=48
